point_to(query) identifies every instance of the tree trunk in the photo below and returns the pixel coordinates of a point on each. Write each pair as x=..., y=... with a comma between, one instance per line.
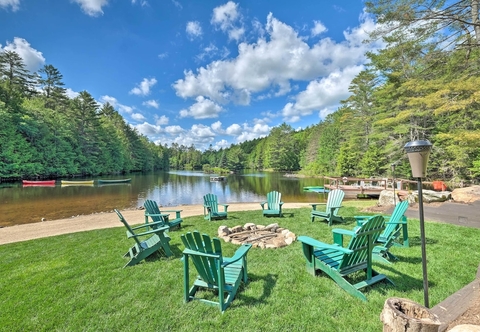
x=405, y=315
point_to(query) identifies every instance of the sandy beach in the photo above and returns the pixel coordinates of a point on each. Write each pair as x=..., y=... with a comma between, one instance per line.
x=105, y=220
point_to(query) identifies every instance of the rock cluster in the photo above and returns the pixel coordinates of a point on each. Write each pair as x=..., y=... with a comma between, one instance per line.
x=271, y=236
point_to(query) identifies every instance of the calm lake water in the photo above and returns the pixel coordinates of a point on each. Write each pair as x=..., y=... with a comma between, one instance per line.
x=22, y=204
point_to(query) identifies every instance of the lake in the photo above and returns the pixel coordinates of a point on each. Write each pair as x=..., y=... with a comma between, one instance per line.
x=28, y=204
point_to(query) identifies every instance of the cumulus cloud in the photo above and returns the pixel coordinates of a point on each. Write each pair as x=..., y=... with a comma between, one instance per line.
x=151, y=103
x=202, y=109
x=174, y=130
x=318, y=28
x=148, y=129
x=143, y=88
x=13, y=4
x=271, y=64
x=32, y=58
x=114, y=102
x=193, y=29
x=71, y=94
x=92, y=7
x=217, y=127
x=162, y=120
x=321, y=95
x=226, y=17
x=138, y=117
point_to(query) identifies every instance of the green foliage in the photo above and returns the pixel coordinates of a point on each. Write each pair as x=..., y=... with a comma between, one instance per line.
x=82, y=272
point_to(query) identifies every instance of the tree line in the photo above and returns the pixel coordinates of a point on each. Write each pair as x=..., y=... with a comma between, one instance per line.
x=423, y=84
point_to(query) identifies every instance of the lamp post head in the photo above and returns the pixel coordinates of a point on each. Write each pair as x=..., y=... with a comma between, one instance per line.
x=418, y=152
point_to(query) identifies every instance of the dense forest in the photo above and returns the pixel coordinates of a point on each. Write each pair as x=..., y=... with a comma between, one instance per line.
x=423, y=84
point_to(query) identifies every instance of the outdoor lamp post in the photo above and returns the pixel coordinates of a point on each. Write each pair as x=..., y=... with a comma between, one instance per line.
x=418, y=152
x=393, y=180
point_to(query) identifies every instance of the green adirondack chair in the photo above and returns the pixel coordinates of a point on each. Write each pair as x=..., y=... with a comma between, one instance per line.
x=152, y=211
x=157, y=241
x=339, y=262
x=396, y=224
x=274, y=204
x=334, y=203
x=218, y=273
x=210, y=208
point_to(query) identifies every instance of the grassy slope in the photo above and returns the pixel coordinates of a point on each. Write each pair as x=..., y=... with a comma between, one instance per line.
x=76, y=282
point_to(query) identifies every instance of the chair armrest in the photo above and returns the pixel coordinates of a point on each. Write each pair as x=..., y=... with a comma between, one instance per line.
x=338, y=234
x=281, y=203
x=362, y=219
x=239, y=254
x=156, y=214
x=225, y=207
x=157, y=230
x=320, y=245
x=177, y=212
x=149, y=224
x=343, y=231
x=198, y=253
x=262, y=204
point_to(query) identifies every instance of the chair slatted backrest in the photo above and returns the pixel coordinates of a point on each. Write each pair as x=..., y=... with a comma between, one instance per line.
x=396, y=217
x=362, y=243
x=207, y=267
x=130, y=231
x=335, y=198
x=151, y=207
x=273, y=200
x=211, y=201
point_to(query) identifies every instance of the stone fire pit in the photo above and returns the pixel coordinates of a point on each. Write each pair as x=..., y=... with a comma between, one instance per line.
x=271, y=236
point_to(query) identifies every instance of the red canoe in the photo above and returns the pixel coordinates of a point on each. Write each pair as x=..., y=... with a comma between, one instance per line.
x=39, y=183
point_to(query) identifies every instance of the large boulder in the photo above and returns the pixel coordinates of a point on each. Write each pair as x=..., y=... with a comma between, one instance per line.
x=467, y=194
x=430, y=196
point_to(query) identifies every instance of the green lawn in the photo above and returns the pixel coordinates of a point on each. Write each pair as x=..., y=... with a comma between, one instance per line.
x=76, y=282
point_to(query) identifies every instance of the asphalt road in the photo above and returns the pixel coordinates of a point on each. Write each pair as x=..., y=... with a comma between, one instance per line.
x=461, y=214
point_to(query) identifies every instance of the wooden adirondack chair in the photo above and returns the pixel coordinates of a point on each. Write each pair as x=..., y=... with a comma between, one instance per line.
x=210, y=208
x=339, y=262
x=216, y=272
x=396, y=224
x=158, y=241
x=334, y=203
x=274, y=204
x=152, y=211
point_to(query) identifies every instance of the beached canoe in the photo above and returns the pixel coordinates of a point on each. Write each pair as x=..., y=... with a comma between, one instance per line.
x=78, y=182
x=39, y=183
x=316, y=189
x=100, y=181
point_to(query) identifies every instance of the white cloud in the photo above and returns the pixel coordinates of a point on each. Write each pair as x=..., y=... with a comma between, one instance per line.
x=138, y=117
x=71, y=94
x=151, y=103
x=202, y=109
x=275, y=64
x=226, y=16
x=193, y=29
x=321, y=95
x=114, y=102
x=217, y=126
x=162, y=120
x=202, y=131
x=143, y=88
x=142, y=3
x=234, y=130
x=163, y=55
x=92, y=7
x=222, y=144
x=14, y=4
x=177, y=4
x=147, y=129
x=174, y=130
x=32, y=58
x=318, y=28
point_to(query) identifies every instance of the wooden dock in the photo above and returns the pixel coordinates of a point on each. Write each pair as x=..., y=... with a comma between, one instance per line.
x=365, y=188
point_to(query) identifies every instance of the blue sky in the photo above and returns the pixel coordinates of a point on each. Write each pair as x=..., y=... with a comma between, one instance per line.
x=197, y=72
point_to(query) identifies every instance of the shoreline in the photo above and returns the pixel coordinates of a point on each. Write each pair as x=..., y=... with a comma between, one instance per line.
x=25, y=232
